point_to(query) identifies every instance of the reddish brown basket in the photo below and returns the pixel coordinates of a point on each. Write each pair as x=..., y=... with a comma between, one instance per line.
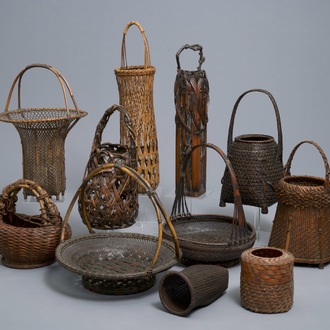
x=29, y=241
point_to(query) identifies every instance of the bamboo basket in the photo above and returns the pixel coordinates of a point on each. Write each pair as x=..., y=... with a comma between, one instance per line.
x=191, y=95
x=111, y=198
x=119, y=263
x=43, y=132
x=302, y=219
x=135, y=87
x=29, y=241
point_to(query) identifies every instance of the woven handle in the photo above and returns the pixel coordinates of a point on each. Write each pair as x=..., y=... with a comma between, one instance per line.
x=194, y=48
x=287, y=167
x=180, y=204
x=159, y=208
x=64, y=85
x=278, y=119
x=48, y=210
x=147, y=62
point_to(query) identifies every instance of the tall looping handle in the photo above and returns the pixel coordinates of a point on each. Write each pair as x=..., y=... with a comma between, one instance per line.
x=195, y=47
x=278, y=119
x=147, y=62
x=287, y=167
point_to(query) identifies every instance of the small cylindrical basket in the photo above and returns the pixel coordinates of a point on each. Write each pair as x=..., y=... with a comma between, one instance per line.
x=29, y=241
x=111, y=198
x=43, y=132
x=267, y=284
x=191, y=96
x=135, y=87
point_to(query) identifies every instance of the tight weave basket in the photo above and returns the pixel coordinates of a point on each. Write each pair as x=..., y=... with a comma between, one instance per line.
x=191, y=95
x=267, y=282
x=29, y=241
x=135, y=86
x=302, y=219
x=111, y=198
x=42, y=132
x=257, y=162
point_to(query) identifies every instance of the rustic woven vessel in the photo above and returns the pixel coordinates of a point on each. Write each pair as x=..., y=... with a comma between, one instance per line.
x=42, y=132
x=119, y=263
x=257, y=162
x=135, y=86
x=29, y=241
x=111, y=198
x=302, y=219
x=191, y=96
x=267, y=283
x=210, y=238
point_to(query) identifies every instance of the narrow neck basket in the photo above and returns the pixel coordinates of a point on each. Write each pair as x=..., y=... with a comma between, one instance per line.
x=111, y=198
x=43, y=132
x=119, y=263
x=135, y=87
x=257, y=161
x=191, y=95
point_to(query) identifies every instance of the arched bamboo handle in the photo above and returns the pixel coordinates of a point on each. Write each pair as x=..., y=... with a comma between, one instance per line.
x=195, y=47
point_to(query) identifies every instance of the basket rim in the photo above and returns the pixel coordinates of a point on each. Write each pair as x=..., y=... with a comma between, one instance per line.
x=286, y=180
x=266, y=138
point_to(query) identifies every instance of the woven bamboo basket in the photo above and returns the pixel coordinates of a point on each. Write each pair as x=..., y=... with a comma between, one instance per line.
x=135, y=87
x=119, y=263
x=29, y=241
x=111, y=198
x=257, y=162
x=267, y=280
x=210, y=238
x=191, y=95
x=302, y=219
x=43, y=132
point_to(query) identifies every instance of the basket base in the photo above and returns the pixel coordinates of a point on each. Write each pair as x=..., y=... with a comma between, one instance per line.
x=18, y=265
x=226, y=264
x=119, y=287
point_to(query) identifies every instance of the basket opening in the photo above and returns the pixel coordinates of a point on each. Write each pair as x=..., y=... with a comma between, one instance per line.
x=267, y=253
x=305, y=181
x=254, y=138
x=23, y=221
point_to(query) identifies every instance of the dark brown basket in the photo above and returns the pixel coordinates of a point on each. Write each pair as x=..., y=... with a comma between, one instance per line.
x=43, y=132
x=29, y=241
x=119, y=263
x=191, y=95
x=111, y=198
x=210, y=238
x=257, y=162
x=135, y=87
x=302, y=219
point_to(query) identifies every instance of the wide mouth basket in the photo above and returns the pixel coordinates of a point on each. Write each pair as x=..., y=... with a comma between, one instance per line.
x=119, y=263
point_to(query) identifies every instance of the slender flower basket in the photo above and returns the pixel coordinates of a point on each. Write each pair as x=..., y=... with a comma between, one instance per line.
x=191, y=95
x=135, y=86
x=43, y=132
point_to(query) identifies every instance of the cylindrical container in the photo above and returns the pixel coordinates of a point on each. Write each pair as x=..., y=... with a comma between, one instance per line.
x=195, y=286
x=266, y=283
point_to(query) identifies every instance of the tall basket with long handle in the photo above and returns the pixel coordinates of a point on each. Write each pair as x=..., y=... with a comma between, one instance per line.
x=43, y=132
x=135, y=86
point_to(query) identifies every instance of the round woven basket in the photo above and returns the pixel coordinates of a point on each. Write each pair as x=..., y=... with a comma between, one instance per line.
x=266, y=282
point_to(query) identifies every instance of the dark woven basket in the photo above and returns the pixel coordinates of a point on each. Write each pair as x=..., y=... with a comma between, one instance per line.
x=301, y=224
x=29, y=241
x=42, y=132
x=111, y=198
x=119, y=263
x=257, y=162
x=191, y=95
x=209, y=238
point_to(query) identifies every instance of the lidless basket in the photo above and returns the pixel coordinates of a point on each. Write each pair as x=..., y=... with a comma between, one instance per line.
x=119, y=263
x=29, y=241
x=210, y=238
x=42, y=132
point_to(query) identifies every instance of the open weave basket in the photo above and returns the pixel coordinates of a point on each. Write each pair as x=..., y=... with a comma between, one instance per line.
x=302, y=219
x=29, y=241
x=111, y=198
x=42, y=132
x=135, y=86
x=119, y=263
x=191, y=95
